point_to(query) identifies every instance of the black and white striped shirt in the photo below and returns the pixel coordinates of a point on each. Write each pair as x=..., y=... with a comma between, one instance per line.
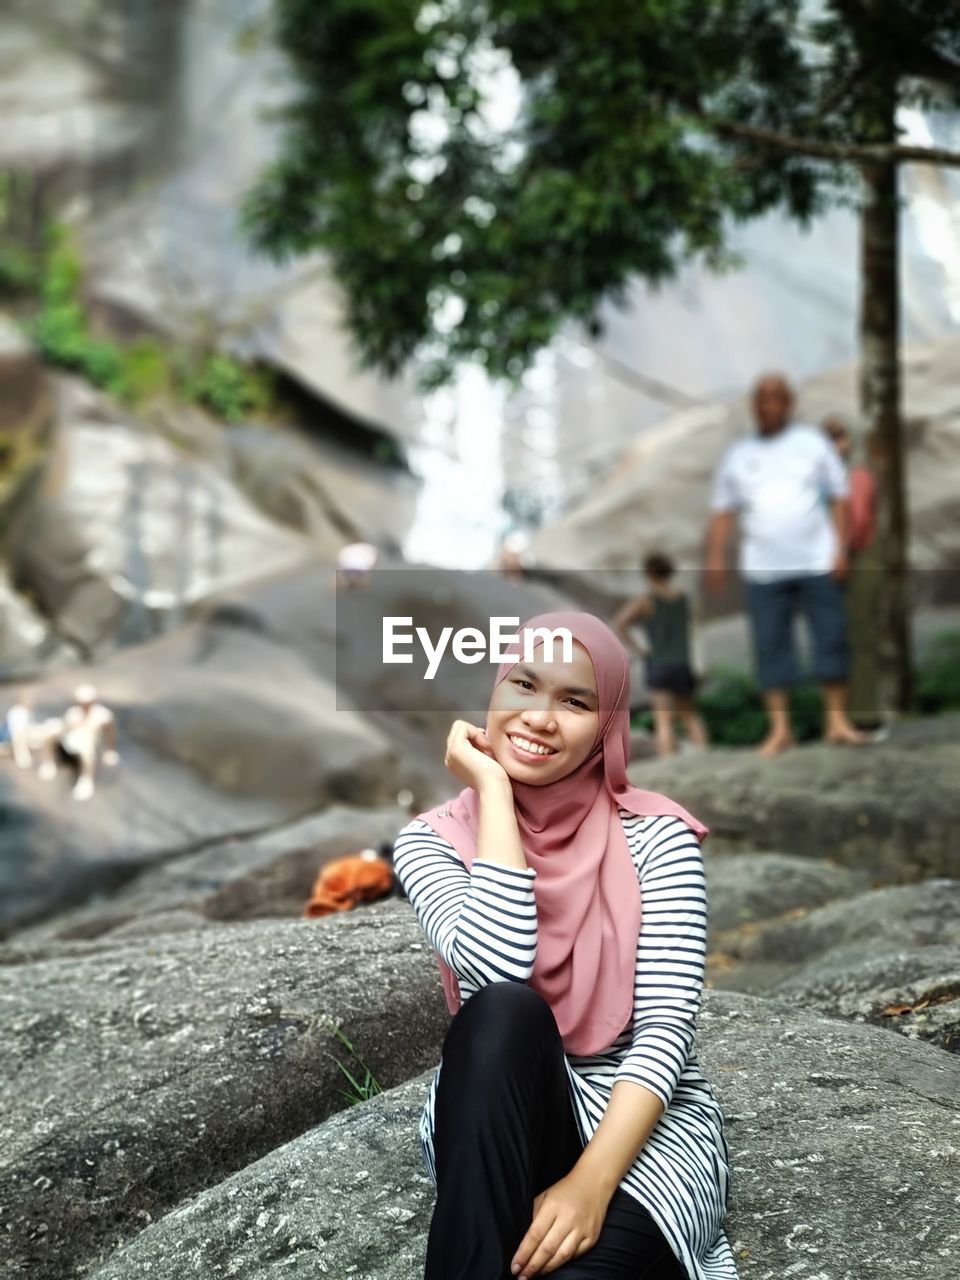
x=484, y=925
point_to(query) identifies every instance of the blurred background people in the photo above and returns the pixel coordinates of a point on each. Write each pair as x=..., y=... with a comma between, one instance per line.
x=355, y=562
x=666, y=615
x=88, y=736
x=793, y=555
x=865, y=578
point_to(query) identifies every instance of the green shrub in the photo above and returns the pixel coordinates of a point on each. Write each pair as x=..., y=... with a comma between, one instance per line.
x=61, y=334
x=229, y=389
x=938, y=675
x=18, y=270
x=147, y=371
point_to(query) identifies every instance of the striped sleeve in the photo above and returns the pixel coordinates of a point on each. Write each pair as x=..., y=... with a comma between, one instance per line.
x=671, y=952
x=482, y=922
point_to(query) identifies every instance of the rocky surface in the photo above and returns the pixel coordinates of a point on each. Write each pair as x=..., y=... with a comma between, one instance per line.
x=209, y=749
x=137, y=1072
x=120, y=549
x=901, y=915
x=269, y=874
x=745, y=888
x=911, y=989
x=350, y=1198
x=870, y=809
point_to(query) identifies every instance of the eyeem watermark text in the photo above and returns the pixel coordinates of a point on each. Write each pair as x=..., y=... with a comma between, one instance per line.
x=470, y=644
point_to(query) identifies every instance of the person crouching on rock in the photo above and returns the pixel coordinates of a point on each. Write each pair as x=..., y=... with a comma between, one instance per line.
x=568, y=1128
x=88, y=726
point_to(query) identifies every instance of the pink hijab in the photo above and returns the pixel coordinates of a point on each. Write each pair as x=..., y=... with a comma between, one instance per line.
x=586, y=887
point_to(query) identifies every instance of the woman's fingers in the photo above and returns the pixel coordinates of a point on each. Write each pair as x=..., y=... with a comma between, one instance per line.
x=571, y=1247
x=553, y=1250
x=536, y=1233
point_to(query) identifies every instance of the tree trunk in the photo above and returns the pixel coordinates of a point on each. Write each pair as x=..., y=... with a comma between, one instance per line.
x=880, y=401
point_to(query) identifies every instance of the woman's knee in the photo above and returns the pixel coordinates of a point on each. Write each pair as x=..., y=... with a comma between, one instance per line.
x=501, y=1013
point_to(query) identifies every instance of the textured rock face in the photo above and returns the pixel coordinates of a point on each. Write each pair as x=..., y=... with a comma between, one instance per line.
x=749, y=887
x=905, y=915
x=136, y=1074
x=911, y=989
x=869, y=809
x=110, y=549
x=221, y=733
x=249, y=877
x=830, y=1127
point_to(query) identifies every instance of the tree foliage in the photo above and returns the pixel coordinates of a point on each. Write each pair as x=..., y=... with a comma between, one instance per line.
x=633, y=148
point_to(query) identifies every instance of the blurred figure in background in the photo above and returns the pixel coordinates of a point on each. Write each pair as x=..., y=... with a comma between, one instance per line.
x=25, y=736
x=355, y=562
x=667, y=618
x=793, y=555
x=514, y=556
x=864, y=582
x=16, y=729
x=89, y=734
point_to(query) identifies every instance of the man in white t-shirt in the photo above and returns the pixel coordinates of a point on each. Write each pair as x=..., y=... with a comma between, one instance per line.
x=788, y=486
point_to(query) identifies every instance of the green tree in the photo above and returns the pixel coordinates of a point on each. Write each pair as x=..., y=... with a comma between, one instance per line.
x=644, y=130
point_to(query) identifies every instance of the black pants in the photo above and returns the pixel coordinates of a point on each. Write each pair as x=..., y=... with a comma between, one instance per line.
x=505, y=1131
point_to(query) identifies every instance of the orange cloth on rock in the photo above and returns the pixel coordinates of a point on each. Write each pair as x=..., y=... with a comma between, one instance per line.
x=345, y=882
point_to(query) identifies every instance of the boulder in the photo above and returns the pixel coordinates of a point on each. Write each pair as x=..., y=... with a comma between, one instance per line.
x=126, y=532
x=749, y=887
x=137, y=1072
x=869, y=808
x=915, y=915
x=321, y=488
x=27, y=645
x=831, y=1128
x=762, y=956
x=221, y=733
x=245, y=878
x=911, y=989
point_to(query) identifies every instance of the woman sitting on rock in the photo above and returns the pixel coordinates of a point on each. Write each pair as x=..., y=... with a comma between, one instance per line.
x=568, y=1129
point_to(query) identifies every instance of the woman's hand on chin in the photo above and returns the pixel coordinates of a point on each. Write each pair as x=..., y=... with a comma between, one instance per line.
x=470, y=757
x=567, y=1220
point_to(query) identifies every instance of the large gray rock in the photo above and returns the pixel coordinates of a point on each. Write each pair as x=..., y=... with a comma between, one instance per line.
x=868, y=808
x=831, y=1128
x=321, y=488
x=269, y=874
x=767, y=955
x=222, y=732
x=27, y=645
x=136, y=1074
x=748, y=887
x=910, y=989
x=914, y=915
x=126, y=533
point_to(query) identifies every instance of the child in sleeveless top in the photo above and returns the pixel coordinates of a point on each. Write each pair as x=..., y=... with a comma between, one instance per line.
x=666, y=616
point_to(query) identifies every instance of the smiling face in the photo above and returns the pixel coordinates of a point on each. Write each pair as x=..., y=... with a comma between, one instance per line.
x=543, y=717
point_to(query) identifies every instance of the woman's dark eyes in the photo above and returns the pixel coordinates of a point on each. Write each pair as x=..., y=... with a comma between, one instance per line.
x=526, y=684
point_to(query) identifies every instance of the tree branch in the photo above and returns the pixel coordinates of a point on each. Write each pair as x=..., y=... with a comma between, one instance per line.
x=844, y=152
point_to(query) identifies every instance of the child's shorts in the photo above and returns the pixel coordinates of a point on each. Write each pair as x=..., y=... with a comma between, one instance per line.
x=671, y=677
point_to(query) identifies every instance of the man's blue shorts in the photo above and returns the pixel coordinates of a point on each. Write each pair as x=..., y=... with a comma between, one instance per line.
x=773, y=607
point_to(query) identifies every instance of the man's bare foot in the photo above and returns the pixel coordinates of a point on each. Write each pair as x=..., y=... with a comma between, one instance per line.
x=774, y=743
x=846, y=735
